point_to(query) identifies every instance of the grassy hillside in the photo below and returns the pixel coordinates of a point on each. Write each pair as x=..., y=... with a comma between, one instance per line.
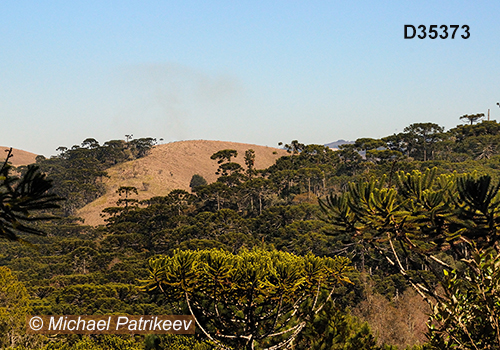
x=19, y=157
x=168, y=167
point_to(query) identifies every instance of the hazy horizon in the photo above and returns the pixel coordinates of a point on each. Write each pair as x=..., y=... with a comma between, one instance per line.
x=251, y=72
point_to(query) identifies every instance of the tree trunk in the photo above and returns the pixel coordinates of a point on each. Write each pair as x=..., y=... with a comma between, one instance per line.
x=309, y=188
x=260, y=204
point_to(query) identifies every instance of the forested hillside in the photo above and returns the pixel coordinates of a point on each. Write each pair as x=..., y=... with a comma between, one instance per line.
x=322, y=249
x=168, y=167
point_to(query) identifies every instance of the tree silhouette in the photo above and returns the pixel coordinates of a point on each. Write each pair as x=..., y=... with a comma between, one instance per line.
x=224, y=155
x=20, y=198
x=127, y=191
x=295, y=147
x=472, y=118
x=90, y=143
x=250, y=163
x=197, y=180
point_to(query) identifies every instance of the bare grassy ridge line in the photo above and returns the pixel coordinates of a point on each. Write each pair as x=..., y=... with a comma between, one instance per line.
x=168, y=167
x=20, y=157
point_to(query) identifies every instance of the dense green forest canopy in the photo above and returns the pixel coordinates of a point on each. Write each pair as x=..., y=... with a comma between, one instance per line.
x=395, y=221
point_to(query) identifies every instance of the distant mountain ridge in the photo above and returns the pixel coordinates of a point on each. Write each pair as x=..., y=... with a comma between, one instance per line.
x=338, y=143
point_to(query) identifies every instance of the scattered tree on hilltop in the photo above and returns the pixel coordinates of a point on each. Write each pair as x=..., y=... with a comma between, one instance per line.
x=294, y=147
x=473, y=118
x=250, y=163
x=127, y=191
x=231, y=173
x=197, y=180
x=224, y=155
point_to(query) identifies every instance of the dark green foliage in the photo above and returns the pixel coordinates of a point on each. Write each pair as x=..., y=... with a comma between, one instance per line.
x=106, y=342
x=335, y=330
x=367, y=144
x=77, y=172
x=177, y=342
x=126, y=192
x=394, y=216
x=294, y=147
x=250, y=163
x=20, y=198
x=254, y=194
x=224, y=155
x=215, y=196
x=473, y=118
x=81, y=274
x=422, y=216
x=466, y=316
x=141, y=147
x=421, y=138
x=231, y=173
x=197, y=180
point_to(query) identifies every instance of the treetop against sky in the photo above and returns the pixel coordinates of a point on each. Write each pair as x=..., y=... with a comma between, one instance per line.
x=254, y=72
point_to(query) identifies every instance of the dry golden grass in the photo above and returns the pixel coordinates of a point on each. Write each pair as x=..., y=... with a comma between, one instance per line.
x=19, y=157
x=401, y=322
x=168, y=167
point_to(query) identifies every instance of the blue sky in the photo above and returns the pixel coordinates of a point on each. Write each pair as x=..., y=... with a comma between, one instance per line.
x=246, y=71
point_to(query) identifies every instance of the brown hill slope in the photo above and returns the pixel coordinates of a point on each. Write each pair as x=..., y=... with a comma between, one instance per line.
x=168, y=167
x=19, y=157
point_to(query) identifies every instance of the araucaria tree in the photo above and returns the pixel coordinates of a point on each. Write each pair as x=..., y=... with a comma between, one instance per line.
x=472, y=118
x=448, y=223
x=20, y=198
x=423, y=136
x=254, y=298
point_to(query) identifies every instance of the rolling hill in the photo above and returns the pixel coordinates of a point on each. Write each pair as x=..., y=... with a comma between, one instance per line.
x=168, y=167
x=19, y=157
